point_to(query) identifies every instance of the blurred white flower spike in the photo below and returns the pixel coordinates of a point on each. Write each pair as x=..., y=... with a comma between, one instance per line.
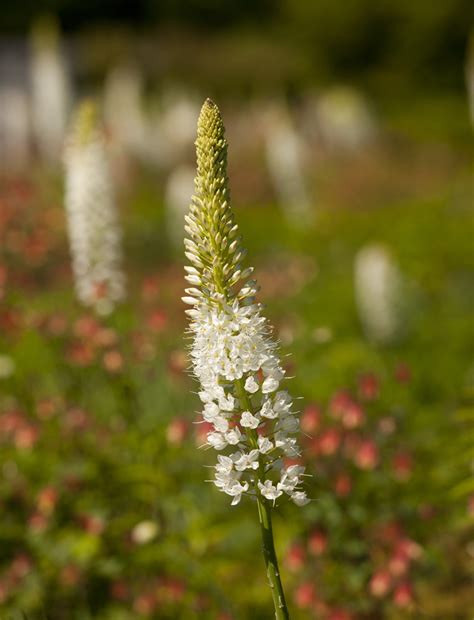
x=233, y=355
x=379, y=293
x=93, y=226
x=284, y=151
x=51, y=90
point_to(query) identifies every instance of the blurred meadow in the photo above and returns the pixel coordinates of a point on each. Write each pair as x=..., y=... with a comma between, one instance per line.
x=350, y=154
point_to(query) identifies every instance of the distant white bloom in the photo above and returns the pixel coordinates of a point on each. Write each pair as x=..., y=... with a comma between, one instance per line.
x=345, y=120
x=284, y=150
x=94, y=232
x=378, y=292
x=144, y=532
x=50, y=91
x=124, y=111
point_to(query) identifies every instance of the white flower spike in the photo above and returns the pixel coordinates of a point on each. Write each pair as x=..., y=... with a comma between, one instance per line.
x=94, y=232
x=233, y=355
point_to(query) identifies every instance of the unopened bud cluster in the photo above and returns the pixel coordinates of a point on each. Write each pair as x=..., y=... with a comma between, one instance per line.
x=233, y=355
x=94, y=232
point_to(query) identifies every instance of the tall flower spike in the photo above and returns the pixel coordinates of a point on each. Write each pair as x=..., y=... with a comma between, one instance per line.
x=94, y=232
x=233, y=356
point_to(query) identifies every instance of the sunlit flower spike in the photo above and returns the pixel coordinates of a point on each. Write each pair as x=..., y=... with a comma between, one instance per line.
x=233, y=355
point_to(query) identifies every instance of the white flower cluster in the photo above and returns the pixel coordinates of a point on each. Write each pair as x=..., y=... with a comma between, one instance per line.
x=235, y=362
x=94, y=231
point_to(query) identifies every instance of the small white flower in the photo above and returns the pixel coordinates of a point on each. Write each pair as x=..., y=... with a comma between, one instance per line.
x=217, y=440
x=236, y=491
x=248, y=420
x=211, y=411
x=267, y=412
x=233, y=437
x=227, y=403
x=282, y=402
x=264, y=445
x=269, y=490
x=289, y=424
x=300, y=498
x=224, y=464
x=247, y=461
x=220, y=424
x=251, y=386
x=270, y=385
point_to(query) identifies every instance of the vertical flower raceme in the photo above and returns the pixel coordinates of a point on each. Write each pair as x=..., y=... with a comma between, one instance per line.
x=94, y=232
x=50, y=90
x=233, y=355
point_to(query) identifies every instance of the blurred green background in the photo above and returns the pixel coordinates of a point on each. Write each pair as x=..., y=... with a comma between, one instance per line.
x=350, y=154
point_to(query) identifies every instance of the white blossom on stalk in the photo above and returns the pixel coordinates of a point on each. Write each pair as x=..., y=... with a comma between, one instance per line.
x=51, y=91
x=233, y=355
x=94, y=232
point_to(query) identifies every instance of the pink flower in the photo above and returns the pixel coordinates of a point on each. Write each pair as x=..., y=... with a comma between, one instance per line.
x=367, y=455
x=310, y=419
x=177, y=430
x=403, y=595
x=343, y=485
x=380, y=583
x=317, y=542
x=338, y=403
x=329, y=441
x=305, y=595
x=369, y=387
x=295, y=557
x=353, y=416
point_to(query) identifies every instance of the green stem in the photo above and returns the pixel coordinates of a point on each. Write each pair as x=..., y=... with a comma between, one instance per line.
x=271, y=562
x=265, y=518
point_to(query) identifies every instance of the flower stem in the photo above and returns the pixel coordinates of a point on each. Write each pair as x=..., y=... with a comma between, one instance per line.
x=265, y=518
x=271, y=562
